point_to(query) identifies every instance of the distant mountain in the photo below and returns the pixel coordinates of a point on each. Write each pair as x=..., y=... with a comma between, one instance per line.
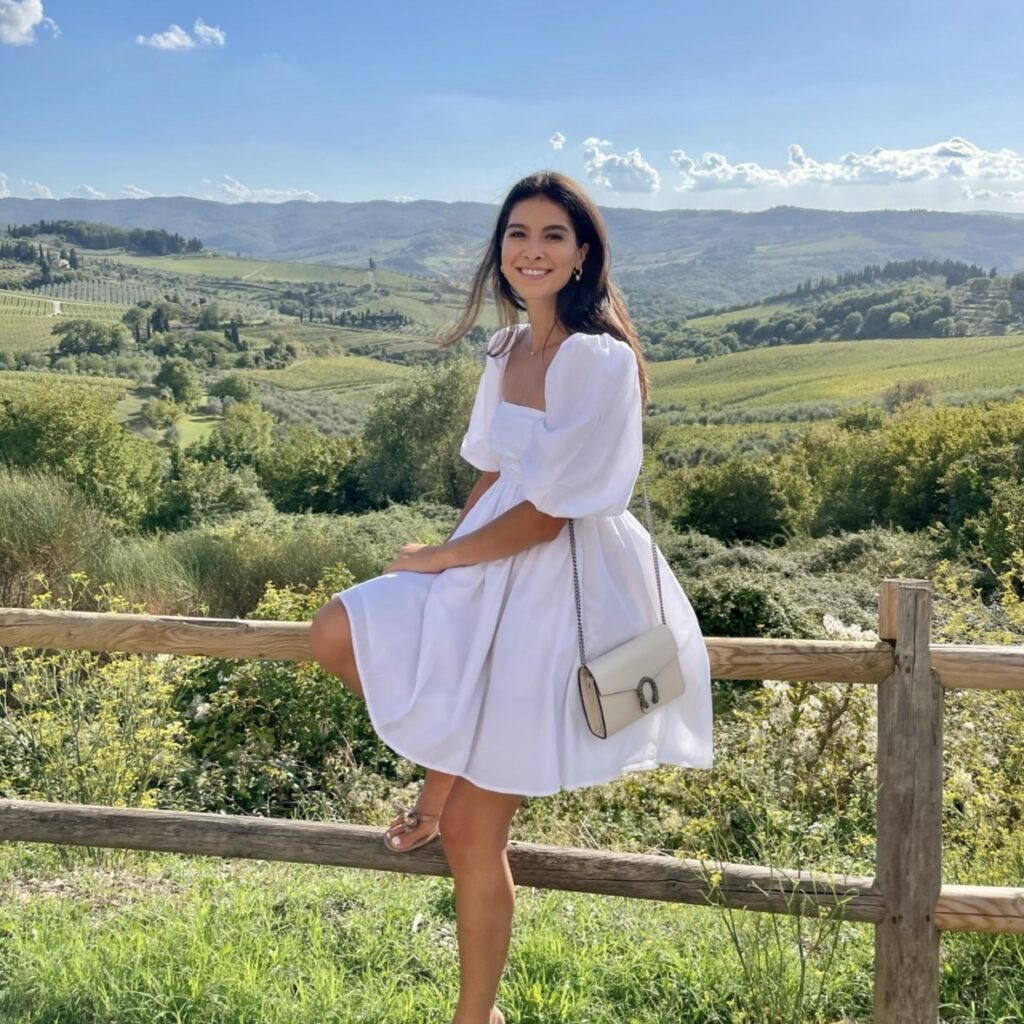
x=709, y=256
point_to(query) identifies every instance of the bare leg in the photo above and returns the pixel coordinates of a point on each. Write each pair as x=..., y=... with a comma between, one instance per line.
x=474, y=830
x=330, y=640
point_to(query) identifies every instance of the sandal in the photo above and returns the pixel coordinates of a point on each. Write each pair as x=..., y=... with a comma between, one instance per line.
x=412, y=820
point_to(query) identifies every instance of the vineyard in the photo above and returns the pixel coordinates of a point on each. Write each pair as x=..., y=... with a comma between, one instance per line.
x=843, y=372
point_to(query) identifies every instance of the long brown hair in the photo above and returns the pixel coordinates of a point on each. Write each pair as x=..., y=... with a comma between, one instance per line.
x=592, y=305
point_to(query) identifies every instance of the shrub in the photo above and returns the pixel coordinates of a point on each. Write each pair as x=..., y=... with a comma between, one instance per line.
x=265, y=736
x=47, y=526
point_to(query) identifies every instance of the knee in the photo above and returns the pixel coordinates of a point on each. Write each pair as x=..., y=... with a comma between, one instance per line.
x=466, y=844
x=329, y=632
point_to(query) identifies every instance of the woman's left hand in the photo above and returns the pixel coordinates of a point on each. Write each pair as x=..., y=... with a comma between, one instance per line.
x=417, y=558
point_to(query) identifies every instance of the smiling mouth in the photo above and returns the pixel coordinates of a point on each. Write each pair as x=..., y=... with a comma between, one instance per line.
x=533, y=274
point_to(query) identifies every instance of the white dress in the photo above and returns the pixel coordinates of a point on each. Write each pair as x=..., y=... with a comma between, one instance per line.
x=472, y=670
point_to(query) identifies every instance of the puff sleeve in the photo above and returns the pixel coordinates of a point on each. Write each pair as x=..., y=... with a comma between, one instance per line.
x=476, y=447
x=584, y=456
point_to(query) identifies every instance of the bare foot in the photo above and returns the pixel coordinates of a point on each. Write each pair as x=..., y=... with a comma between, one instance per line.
x=497, y=1017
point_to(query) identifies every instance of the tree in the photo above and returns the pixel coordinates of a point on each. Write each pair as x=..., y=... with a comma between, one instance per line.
x=235, y=386
x=852, y=325
x=898, y=322
x=178, y=376
x=72, y=432
x=413, y=434
x=306, y=471
x=241, y=438
x=135, y=319
x=79, y=336
x=209, y=317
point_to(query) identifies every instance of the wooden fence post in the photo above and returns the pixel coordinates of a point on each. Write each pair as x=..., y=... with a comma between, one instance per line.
x=909, y=834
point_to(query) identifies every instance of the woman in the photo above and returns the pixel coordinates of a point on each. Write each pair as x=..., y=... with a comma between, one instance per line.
x=466, y=652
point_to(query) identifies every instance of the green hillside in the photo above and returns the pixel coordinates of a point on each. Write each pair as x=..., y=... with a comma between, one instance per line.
x=843, y=372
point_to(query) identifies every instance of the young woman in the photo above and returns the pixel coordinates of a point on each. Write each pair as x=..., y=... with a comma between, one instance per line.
x=466, y=652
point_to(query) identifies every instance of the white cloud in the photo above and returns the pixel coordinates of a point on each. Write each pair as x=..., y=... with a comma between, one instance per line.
x=557, y=140
x=987, y=194
x=713, y=170
x=175, y=38
x=629, y=173
x=19, y=20
x=134, y=192
x=38, y=190
x=4, y=190
x=231, y=190
x=87, y=192
x=954, y=159
x=405, y=199
x=208, y=35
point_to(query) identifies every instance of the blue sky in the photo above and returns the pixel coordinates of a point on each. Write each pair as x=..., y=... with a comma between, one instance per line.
x=666, y=104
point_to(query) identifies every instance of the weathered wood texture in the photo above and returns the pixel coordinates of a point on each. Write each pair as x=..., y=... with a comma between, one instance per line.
x=980, y=908
x=909, y=842
x=965, y=667
x=639, y=876
x=958, y=908
x=835, y=661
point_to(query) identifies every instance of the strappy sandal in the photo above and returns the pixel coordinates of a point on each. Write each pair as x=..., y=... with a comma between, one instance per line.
x=411, y=821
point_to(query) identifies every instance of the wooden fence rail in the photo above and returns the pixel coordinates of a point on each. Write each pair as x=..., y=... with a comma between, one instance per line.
x=906, y=901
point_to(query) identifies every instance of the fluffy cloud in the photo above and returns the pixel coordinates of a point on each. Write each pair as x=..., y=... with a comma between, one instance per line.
x=176, y=38
x=987, y=194
x=233, y=191
x=405, y=199
x=19, y=20
x=208, y=35
x=134, y=192
x=955, y=158
x=87, y=192
x=4, y=190
x=557, y=140
x=39, y=191
x=629, y=173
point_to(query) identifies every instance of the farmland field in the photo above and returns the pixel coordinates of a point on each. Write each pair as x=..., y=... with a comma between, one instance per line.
x=26, y=321
x=843, y=372
x=333, y=373
x=239, y=268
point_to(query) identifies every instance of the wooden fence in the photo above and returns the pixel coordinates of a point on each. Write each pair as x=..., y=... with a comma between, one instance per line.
x=905, y=901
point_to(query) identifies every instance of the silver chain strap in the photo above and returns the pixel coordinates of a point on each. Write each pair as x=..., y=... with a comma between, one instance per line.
x=576, y=575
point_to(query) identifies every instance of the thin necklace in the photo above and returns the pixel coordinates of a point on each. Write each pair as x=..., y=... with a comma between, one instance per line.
x=544, y=346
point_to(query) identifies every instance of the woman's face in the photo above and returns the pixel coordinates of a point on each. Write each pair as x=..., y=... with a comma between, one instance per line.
x=538, y=250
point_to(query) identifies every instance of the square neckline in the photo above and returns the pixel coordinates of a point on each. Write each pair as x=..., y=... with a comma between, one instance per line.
x=501, y=379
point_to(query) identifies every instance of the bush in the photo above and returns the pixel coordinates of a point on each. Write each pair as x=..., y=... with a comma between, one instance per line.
x=87, y=727
x=265, y=736
x=48, y=527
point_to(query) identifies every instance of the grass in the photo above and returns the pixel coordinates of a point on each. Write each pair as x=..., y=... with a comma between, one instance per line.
x=201, y=940
x=841, y=371
x=333, y=373
x=27, y=321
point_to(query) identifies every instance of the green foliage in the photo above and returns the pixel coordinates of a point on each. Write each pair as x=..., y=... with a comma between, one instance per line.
x=80, y=336
x=72, y=433
x=413, y=435
x=266, y=735
x=178, y=376
x=160, y=413
x=304, y=471
x=203, y=492
x=234, y=386
x=741, y=499
x=242, y=437
x=85, y=727
x=48, y=530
